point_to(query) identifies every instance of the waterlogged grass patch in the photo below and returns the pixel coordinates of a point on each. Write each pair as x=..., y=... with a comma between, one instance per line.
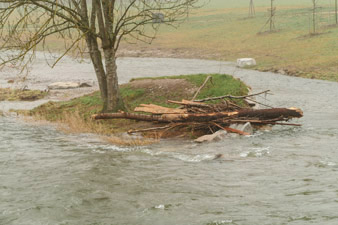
x=8, y=94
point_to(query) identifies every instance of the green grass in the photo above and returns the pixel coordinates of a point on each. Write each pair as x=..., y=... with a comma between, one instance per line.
x=83, y=107
x=219, y=85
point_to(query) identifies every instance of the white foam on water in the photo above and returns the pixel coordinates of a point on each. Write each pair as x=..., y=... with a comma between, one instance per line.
x=255, y=152
x=183, y=157
x=197, y=158
x=159, y=207
x=98, y=151
x=328, y=163
x=221, y=222
x=150, y=152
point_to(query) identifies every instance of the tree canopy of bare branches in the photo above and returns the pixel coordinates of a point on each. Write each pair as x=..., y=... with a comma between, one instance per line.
x=96, y=27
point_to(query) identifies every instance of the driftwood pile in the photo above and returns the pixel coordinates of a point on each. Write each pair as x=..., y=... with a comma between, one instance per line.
x=209, y=118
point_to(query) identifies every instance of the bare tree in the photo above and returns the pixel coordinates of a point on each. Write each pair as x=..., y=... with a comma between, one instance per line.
x=272, y=12
x=271, y=20
x=96, y=27
x=336, y=10
x=314, y=15
x=251, y=9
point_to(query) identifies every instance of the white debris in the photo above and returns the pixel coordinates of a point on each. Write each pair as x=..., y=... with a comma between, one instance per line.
x=247, y=128
x=219, y=135
x=63, y=85
x=246, y=62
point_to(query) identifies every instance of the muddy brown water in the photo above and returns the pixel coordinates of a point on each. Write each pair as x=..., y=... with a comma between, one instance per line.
x=284, y=176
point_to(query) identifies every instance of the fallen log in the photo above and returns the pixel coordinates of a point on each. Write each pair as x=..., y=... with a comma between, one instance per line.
x=190, y=103
x=276, y=113
x=268, y=114
x=124, y=115
x=199, y=107
x=271, y=113
x=271, y=122
x=156, y=109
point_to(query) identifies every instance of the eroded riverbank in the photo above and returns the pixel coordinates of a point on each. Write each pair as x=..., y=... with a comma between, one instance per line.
x=285, y=176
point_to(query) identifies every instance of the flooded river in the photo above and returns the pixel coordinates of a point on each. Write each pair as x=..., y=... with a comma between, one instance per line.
x=284, y=176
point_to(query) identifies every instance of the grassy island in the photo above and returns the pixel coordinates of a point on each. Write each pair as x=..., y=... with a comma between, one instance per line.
x=76, y=113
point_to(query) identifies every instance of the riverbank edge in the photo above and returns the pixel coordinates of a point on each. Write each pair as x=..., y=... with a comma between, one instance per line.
x=73, y=116
x=209, y=54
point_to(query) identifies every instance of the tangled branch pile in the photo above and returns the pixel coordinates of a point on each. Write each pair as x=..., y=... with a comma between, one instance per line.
x=208, y=118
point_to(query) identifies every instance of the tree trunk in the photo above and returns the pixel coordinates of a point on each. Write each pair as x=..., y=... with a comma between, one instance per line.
x=114, y=100
x=96, y=59
x=314, y=16
x=336, y=11
x=106, y=76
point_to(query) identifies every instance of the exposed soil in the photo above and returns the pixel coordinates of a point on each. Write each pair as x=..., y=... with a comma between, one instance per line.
x=150, y=51
x=165, y=86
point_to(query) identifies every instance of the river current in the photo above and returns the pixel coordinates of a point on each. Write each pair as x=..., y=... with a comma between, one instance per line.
x=288, y=175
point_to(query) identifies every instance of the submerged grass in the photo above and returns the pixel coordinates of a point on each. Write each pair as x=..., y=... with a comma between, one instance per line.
x=76, y=113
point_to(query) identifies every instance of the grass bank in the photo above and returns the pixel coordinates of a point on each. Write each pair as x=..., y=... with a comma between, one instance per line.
x=76, y=113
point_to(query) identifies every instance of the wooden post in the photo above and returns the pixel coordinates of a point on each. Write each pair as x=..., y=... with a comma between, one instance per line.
x=336, y=11
x=314, y=7
x=251, y=9
x=272, y=15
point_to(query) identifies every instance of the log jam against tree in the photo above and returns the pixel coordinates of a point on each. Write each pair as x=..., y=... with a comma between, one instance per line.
x=156, y=107
x=196, y=115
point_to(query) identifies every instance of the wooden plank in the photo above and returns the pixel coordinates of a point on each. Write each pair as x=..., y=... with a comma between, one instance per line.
x=155, y=109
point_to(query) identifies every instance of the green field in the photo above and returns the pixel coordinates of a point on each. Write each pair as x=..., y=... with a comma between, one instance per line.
x=221, y=30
